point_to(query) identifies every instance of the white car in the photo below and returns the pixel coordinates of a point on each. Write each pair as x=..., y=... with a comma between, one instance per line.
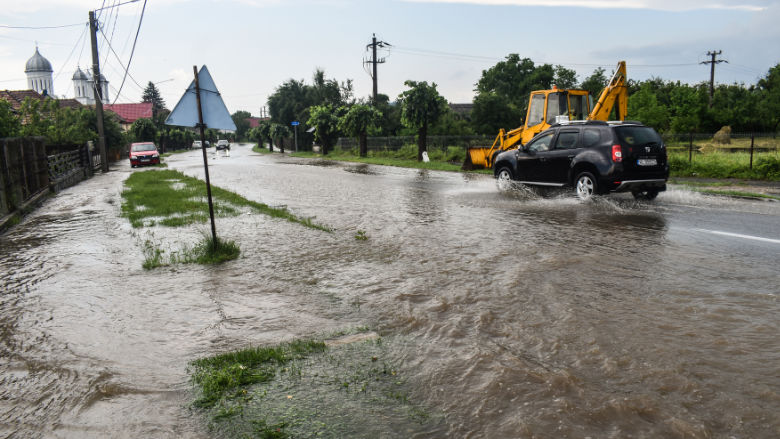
x=223, y=144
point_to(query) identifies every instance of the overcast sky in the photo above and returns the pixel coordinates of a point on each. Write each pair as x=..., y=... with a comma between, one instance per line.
x=253, y=46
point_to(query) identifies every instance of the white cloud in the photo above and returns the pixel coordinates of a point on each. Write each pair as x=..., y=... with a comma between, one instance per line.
x=662, y=5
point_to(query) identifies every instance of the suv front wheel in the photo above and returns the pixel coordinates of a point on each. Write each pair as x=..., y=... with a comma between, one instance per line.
x=585, y=186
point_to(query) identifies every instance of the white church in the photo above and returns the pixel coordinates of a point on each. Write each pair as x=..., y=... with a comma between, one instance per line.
x=39, y=78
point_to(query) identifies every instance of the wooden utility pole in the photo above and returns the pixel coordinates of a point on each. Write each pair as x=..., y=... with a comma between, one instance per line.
x=712, y=63
x=98, y=92
x=374, y=61
x=205, y=158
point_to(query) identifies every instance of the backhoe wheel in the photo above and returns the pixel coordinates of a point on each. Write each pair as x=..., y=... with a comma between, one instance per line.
x=504, y=178
x=585, y=186
x=649, y=194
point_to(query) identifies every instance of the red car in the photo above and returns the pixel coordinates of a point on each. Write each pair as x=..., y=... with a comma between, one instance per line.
x=143, y=153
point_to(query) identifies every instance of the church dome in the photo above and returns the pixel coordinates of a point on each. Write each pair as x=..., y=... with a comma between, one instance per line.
x=37, y=64
x=79, y=75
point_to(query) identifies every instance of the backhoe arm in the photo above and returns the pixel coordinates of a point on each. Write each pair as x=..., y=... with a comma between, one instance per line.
x=616, y=92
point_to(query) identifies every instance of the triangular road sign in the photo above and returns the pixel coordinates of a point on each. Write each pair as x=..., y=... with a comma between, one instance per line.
x=215, y=113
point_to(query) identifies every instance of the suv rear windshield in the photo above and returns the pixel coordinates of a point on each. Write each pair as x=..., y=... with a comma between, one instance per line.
x=637, y=135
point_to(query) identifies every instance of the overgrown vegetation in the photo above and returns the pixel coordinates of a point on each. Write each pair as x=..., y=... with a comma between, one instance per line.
x=206, y=251
x=170, y=198
x=306, y=388
x=766, y=166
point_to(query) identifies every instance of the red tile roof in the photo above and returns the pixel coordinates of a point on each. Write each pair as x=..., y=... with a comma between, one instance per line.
x=129, y=113
x=16, y=97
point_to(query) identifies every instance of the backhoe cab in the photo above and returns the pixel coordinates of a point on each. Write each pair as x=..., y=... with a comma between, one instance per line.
x=547, y=107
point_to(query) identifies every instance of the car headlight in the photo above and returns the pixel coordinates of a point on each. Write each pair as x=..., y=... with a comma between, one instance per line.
x=154, y=156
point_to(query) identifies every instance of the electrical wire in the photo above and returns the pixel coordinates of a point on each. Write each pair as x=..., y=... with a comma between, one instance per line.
x=127, y=70
x=79, y=40
x=124, y=70
x=4, y=26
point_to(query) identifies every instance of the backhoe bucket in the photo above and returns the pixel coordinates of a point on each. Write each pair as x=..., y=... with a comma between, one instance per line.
x=476, y=158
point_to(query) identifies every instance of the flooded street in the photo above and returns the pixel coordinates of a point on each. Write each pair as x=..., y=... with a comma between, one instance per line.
x=511, y=314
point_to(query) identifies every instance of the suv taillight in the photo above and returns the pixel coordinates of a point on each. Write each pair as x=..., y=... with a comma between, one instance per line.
x=617, y=154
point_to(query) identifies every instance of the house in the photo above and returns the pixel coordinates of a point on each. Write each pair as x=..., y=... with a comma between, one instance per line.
x=16, y=97
x=129, y=113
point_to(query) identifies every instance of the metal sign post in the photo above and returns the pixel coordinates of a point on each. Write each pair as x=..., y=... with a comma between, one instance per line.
x=295, y=124
x=205, y=158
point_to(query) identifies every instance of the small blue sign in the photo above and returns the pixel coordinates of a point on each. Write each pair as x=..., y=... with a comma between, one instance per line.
x=295, y=123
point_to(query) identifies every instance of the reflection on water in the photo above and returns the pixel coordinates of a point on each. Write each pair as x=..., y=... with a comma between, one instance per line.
x=516, y=314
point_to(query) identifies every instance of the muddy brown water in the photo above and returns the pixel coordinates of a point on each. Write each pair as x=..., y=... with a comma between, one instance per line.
x=521, y=315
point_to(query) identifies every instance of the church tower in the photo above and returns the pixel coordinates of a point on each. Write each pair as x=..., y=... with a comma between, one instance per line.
x=38, y=70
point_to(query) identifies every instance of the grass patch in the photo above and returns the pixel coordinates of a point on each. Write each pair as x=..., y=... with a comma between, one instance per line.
x=260, y=150
x=718, y=164
x=206, y=251
x=732, y=193
x=307, y=389
x=170, y=198
x=361, y=235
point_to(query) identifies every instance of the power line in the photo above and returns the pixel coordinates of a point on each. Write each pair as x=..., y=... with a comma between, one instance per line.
x=4, y=26
x=127, y=70
x=79, y=40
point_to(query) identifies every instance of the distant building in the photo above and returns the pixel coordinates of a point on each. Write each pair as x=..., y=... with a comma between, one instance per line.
x=129, y=113
x=84, y=87
x=39, y=74
x=16, y=97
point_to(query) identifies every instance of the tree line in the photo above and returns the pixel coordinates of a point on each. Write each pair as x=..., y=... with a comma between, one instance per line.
x=501, y=100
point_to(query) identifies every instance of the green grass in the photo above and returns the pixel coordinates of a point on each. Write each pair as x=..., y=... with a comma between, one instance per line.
x=717, y=164
x=170, y=198
x=259, y=150
x=305, y=389
x=221, y=376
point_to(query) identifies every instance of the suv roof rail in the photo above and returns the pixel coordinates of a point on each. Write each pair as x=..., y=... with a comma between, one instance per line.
x=625, y=122
x=578, y=122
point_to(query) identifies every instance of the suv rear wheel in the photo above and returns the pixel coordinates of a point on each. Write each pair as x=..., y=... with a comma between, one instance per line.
x=585, y=186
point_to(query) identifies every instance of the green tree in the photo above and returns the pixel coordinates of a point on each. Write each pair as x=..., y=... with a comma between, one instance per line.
x=421, y=106
x=151, y=94
x=492, y=112
x=516, y=78
x=241, y=119
x=769, y=98
x=279, y=132
x=450, y=124
x=595, y=82
x=643, y=105
x=264, y=132
x=356, y=121
x=325, y=120
x=687, y=104
x=9, y=123
x=564, y=78
x=143, y=130
x=390, y=124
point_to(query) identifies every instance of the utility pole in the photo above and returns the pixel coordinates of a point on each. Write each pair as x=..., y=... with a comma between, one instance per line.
x=98, y=92
x=374, y=61
x=712, y=63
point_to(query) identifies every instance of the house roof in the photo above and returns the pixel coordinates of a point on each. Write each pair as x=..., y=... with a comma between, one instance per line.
x=129, y=113
x=16, y=97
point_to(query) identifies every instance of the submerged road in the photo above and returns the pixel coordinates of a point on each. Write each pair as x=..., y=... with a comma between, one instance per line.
x=512, y=314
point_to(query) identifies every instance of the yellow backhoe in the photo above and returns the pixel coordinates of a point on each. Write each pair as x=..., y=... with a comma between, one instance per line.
x=546, y=107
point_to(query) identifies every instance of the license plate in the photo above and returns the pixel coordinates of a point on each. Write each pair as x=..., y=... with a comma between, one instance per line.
x=647, y=162
x=144, y=160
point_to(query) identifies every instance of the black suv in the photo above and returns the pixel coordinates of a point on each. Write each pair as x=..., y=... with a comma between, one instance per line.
x=594, y=157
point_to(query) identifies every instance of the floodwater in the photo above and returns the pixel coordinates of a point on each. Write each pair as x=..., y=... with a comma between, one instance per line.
x=520, y=314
